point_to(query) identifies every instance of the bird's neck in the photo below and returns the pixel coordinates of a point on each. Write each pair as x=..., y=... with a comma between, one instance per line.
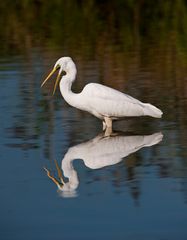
x=65, y=88
x=68, y=169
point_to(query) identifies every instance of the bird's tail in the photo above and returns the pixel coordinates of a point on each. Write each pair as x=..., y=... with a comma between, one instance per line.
x=150, y=110
x=153, y=139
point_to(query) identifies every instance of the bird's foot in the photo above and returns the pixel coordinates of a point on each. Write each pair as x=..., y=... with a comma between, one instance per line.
x=107, y=126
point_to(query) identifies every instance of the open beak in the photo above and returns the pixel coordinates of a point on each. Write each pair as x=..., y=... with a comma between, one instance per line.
x=56, y=83
x=57, y=182
x=57, y=80
x=59, y=172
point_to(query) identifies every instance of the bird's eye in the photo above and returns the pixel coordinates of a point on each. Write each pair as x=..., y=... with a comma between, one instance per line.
x=63, y=73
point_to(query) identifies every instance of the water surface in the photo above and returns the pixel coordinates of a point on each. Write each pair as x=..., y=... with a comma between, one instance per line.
x=130, y=186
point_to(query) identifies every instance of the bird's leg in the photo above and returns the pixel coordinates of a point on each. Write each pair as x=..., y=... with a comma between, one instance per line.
x=104, y=125
x=108, y=132
x=108, y=128
x=108, y=122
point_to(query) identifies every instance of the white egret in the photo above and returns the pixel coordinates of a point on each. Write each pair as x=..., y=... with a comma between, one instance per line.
x=97, y=153
x=103, y=102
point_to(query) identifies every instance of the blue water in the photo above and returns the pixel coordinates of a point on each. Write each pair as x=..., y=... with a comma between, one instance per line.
x=143, y=196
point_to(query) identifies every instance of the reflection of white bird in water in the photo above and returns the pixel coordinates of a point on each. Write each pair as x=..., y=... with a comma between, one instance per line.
x=98, y=153
x=103, y=102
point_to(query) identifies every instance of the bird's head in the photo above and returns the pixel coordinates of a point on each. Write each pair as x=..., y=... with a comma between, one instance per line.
x=63, y=64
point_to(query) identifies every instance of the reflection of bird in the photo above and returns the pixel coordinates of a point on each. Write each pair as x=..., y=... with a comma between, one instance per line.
x=103, y=102
x=98, y=153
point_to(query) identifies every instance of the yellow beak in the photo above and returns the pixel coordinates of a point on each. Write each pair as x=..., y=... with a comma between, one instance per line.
x=47, y=78
x=56, y=83
x=57, y=182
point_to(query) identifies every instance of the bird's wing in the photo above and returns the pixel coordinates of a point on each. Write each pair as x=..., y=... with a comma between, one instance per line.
x=95, y=90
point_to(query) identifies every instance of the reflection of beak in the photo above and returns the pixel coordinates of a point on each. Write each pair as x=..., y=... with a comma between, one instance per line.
x=59, y=172
x=47, y=78
x=58, y=183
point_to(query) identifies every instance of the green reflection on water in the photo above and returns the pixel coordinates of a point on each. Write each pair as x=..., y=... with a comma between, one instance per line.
x=55, y=23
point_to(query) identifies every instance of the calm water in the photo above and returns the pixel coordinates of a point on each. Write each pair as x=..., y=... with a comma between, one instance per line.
x=129, y=186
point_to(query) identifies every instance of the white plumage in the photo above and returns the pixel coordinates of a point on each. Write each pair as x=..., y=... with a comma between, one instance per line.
x=103, y=102
x=111, y=103
x=98, y=153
